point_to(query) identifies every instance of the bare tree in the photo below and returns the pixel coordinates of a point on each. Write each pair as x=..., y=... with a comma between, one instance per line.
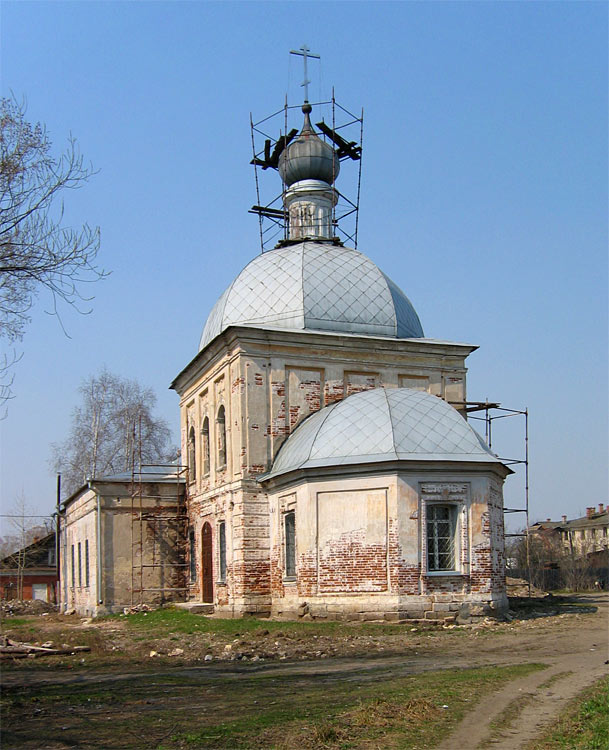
x=37, y=251
x=113, y=430
x=553, y=563
x=25, y=528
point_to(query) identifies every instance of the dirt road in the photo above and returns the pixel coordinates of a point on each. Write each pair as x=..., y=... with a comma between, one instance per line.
x=577, y=655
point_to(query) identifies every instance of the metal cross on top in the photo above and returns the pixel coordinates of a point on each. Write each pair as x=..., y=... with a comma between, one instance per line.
x=305, y=53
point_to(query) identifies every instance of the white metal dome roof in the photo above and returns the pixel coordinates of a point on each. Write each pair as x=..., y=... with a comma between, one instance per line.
x=314, y=286
x=382, y=425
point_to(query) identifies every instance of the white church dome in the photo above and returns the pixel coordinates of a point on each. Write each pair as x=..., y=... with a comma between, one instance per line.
x=316, y=286
x=380, y=425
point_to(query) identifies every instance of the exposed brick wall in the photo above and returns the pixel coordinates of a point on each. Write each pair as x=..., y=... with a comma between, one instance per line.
x=222, y=596
x=304, y=394
x=238, y=385
x=251, y=577
x=496, y=519
x=356, y=382
x=347, y=563
x=481, y=569
x=334, y=390
x=409, y=577
x=306, y=568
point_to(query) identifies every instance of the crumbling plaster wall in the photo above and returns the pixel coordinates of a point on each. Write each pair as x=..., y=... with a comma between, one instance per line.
x=142, y=561
x=122, y=539
x=361, y=546
x=268, y=382
x=79, y=526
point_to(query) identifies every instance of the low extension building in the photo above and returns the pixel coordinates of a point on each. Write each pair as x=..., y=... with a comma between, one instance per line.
x=122, y=542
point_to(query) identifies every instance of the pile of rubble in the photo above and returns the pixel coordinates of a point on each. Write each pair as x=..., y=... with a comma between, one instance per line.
x=518, y=587
x=15, y=607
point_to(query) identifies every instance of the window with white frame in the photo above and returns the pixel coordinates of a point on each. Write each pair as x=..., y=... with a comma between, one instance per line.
x=441, y=537
x=289, y=524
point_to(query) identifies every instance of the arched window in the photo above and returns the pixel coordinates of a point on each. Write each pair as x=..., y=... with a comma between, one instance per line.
x=205, y=436
x=221, y=421
x=192, y=462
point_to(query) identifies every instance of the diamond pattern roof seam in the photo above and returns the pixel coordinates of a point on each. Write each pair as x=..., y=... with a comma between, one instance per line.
x=438, y=433
x=213, y=326
x=343, y=284
x=342, y=294
x=386, y=392
x=312, y=433
x=411, y=327
x=349, y=429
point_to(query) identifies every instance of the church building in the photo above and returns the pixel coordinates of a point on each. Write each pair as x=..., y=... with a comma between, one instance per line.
x=332, y=472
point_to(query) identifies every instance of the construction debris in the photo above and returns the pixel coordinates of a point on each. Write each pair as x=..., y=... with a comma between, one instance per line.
x=520, y=587
x=13, y=607
x=17, y=650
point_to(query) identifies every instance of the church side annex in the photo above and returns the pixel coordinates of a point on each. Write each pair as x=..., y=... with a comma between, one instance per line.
x=330, y=473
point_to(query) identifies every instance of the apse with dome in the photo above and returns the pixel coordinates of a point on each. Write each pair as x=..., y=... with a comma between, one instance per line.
x=331, y=470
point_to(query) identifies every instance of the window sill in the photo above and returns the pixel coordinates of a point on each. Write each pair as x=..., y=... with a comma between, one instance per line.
x=220, y=583
x=437, y=573
x=289, y=579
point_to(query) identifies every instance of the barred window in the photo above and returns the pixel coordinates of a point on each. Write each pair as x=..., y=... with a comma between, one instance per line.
x=192, y=555
x=222, y=549
x=441, y=529
x=205, y=435
x=221, y=424
x=290, y=545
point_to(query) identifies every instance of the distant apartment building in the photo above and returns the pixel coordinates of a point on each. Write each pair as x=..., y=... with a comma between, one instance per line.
x=584, y=535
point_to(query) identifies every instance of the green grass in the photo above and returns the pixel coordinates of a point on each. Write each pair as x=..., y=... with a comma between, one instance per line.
x=169, y=620
x=413, y=712
x=250, y=710
x=13, y=622
x=583, y=726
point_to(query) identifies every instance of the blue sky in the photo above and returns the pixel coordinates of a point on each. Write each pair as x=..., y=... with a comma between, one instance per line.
x=484, y=196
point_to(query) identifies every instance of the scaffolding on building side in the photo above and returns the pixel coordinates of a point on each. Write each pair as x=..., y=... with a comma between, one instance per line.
x=158, y=520
x=493, y=411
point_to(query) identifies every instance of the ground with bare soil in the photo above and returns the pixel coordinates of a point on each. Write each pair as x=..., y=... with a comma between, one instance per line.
x=227, y=671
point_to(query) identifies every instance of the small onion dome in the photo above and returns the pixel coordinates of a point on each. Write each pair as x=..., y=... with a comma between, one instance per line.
x=308, y=157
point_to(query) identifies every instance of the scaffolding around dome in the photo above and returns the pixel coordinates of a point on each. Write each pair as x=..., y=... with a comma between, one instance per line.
x=308, y=160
